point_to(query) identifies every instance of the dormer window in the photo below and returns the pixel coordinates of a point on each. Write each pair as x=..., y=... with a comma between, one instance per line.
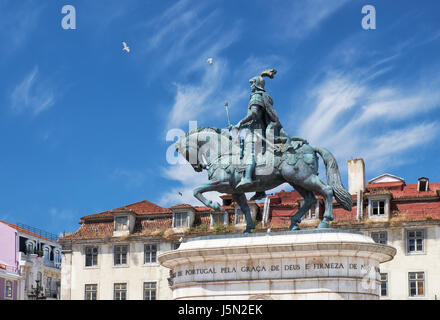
x=239, y=217
x=183, y=217
x=180, y=220
x=379, y=207
x=124, y=221
x=121, y=223
x=423, y=184
x=218, y=218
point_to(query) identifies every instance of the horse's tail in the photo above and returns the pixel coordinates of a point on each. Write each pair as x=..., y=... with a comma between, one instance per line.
x=334, y=179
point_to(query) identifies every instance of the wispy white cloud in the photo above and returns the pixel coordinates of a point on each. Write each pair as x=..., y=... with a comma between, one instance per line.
x=299, y=18
x=32, y=95
x=17, y=22
x=355, y=113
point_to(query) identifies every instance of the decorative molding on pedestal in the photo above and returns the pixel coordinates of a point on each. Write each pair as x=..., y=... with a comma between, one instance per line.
x=309, y=264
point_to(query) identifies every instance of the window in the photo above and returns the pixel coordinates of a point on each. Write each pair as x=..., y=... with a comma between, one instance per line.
x=29, y=247
x=121, y=223
x=48, y=288
x=415, y=240
x=423, y=184
x=150, y=251
x=91, y=291
x=180, y=219
x=8, y=289
x=120, y=254
x=120, y=291
x=416, y=284
x=217, y=218
x=91, y=256
x=380, y=237
x=384, y=284
x=239, y=217
x=57, y=257
x=46, y=253
x=149, y=290
x=378, y=207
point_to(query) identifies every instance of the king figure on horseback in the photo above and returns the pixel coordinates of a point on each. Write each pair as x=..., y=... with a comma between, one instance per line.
x=260, y=118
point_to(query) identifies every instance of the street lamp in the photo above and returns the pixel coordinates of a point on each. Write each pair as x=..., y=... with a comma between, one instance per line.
x=37, y=292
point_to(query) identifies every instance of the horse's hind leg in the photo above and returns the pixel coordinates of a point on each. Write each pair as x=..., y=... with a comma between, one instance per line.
x=313, y=183
x=240, y=198
x=309, y=200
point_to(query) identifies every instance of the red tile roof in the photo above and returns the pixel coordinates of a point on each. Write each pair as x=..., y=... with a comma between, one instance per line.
x=143, y=207
x=283, y=204
x=183, y=205
x=388, y=185
x=405, y=191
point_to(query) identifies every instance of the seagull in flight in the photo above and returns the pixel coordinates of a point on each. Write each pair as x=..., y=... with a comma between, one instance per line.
x=125, y=47
x=209, y=60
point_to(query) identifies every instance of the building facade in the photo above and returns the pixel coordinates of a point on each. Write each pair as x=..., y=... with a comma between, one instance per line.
x=10, y=277
x=38, y=262
x=113, y=255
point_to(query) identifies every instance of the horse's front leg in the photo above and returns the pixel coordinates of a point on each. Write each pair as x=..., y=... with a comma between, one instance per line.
x=240, y=199
x=210, y=186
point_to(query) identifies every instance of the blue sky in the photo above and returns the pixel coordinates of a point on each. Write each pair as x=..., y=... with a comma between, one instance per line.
x=83, y=124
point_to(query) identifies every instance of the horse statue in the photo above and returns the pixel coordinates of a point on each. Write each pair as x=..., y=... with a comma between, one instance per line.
x=291, y=161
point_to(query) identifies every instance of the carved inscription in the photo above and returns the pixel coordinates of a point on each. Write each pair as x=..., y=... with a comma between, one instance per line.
x=255, y=269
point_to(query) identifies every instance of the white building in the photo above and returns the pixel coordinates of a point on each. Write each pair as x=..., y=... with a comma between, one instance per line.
x=113, y=254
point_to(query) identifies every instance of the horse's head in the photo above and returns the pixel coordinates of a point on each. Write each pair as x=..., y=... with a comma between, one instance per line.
x=204, y=145
x=187, y=146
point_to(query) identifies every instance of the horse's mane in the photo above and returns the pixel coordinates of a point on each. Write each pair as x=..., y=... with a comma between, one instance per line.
x=225, y=133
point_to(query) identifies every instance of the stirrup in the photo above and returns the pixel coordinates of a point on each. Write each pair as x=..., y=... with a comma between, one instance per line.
x=244, y=183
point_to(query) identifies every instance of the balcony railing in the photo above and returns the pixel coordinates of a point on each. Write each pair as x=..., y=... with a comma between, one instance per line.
x=46, y=262
x=52, y=264
x=41, y=233
x=13, y=269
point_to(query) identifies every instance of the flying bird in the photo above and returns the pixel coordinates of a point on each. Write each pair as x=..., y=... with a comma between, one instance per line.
x=125, y=47
x=209, y=60
x=180, y=193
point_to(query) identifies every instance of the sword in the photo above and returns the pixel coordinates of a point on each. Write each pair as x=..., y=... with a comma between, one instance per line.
x=227, y=114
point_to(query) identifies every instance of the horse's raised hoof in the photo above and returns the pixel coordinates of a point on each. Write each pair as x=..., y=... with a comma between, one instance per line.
x=294, y=227
x=248, y=230
x=323, y=225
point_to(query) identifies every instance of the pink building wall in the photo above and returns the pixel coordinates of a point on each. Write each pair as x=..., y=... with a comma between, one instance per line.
x=8, y=246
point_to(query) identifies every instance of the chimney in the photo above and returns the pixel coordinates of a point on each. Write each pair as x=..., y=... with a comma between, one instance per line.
x=356, y=176
x=356, y=184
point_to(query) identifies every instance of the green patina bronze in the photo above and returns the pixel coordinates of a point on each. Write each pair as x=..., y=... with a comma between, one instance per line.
x=264, y=159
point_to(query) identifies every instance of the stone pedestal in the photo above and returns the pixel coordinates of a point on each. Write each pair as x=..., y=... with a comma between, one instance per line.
x=306, y=264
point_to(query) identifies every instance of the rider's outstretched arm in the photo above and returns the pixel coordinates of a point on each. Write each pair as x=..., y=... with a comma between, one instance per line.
x=254, y=114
